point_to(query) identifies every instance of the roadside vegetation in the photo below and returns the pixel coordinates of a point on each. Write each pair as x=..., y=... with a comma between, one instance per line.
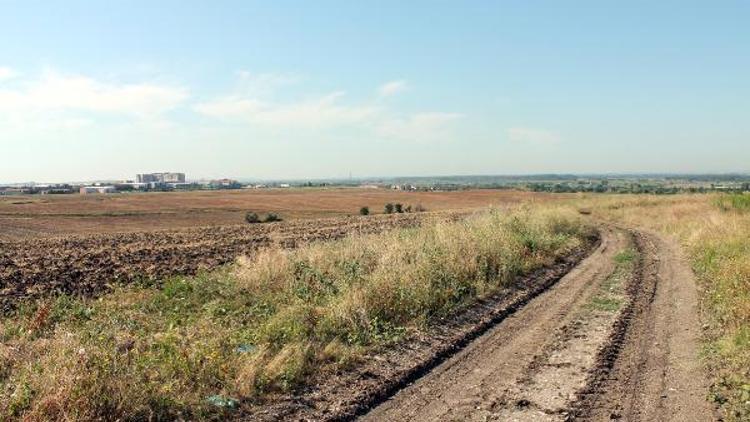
x=611, y=294
x=715, y=233
x=198, y=347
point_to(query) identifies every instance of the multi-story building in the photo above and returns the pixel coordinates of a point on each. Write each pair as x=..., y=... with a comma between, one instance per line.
x=160, y=178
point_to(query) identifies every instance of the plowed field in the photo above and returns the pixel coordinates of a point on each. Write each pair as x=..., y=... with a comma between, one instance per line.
x=87, y=264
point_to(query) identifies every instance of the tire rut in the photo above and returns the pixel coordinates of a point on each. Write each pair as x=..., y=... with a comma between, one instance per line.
x=650, y=368
x=479, y=382
x=555, y=361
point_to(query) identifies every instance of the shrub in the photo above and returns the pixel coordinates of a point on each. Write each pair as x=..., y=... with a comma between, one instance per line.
x=252, y=218
x=389, y=208
x=419, y=208
x=271, y=217
x=364, y=211
x=398, y=208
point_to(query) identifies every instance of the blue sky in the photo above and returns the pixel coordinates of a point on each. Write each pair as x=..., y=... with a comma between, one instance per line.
x=296, y=89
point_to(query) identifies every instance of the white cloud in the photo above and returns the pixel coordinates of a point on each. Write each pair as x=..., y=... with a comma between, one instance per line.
x=230, y=107
x=424, y=127
x=258, y=84
x=392, y=88
x=7, y=73
x=325, y=111
x=531, y=135
x=57, y=92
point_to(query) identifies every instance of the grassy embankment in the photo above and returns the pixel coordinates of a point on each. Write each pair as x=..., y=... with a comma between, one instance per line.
x=197, y=345
x=715, y=233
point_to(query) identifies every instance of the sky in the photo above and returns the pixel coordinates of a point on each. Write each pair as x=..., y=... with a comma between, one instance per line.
x=93, y=90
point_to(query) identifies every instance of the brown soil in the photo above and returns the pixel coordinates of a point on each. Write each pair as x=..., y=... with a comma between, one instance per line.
x=60, y=215
x=652, y=371
x=90, y=264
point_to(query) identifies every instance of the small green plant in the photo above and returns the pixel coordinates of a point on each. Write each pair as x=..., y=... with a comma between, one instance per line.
x=252, y=218
x=364, y=211
x=735, y=202
x=388, y=208
x=271, y=217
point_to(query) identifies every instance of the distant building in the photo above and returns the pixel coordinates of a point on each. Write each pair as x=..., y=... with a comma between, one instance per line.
x=86, y=190
x=224, y=184
x=160, y=178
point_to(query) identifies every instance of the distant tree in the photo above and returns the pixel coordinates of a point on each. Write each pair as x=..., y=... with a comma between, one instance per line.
x=364, y=211
x=399, y=208
x=252, y=217
x=271, y=217
x=389, y=208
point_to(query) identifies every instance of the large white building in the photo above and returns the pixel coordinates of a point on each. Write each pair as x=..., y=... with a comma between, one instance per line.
x=160, y=178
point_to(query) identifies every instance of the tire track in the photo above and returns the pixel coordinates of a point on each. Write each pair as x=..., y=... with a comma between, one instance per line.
x=650, y=369
x=478, y=382
x=547, y=363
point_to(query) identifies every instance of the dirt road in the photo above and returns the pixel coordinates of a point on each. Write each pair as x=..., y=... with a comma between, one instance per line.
x=615, y=339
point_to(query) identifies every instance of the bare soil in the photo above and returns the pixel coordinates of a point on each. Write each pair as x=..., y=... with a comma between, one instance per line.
x=91, y=264
x=651, y=371
x=40, y=216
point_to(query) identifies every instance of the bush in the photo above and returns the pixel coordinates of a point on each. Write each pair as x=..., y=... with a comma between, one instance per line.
x=364, y=211
x=419, y=208
x=252, y=218
x=388, y=208
x=271, y=217
x=399, y=208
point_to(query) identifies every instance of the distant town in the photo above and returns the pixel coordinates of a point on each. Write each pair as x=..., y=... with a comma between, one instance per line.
x=146, y=182
x=559, y=183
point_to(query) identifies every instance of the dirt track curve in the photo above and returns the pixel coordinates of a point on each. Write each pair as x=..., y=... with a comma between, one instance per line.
x=609, y=341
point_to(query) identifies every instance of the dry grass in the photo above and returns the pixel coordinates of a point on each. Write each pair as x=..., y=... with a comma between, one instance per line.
x=715, y=232
x=197, y=346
